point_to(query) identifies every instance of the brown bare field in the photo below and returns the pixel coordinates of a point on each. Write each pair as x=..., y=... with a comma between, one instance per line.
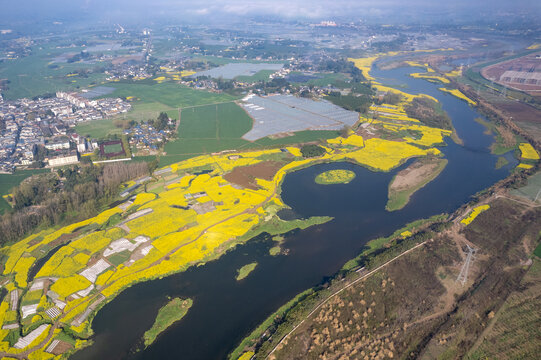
x=245, y=175
x=61, y=348
x=525, y=116
x=515, y=330
x=413, y=175
x=520, y=111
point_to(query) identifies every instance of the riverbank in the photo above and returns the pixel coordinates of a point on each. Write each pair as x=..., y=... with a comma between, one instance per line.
x=351, y=305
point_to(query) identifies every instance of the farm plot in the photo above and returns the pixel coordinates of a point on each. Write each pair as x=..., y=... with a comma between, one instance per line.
x=210, y=128
x=282, y=113
x=532, y=190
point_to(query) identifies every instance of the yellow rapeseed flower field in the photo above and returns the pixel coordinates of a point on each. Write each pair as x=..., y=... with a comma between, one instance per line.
x=528, y=152
x=474, y=213
x=143, y=198
x=524, y=166
x=69, y=285
x=364, y=64
x=428, y=76
x=459, y=95
x=385, y=155
x=21, y=270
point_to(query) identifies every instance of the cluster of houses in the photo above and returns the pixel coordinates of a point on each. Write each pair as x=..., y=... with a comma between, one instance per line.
x=145, y=137
x=128, y=71
x=29, y=123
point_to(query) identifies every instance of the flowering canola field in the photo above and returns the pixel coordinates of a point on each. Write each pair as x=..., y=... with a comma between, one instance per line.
x=474, y=213
x=528, y=152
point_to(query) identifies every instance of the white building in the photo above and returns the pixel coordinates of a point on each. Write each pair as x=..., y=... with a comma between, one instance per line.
x=58, y=145
x=63, y=160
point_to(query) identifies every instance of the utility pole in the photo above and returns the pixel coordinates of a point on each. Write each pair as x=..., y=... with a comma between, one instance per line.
x=463, y=276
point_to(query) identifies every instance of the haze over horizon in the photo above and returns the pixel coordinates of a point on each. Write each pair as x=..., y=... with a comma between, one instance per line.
x=199, y=11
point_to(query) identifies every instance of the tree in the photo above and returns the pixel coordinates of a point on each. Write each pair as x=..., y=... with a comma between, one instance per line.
x=161, y=122
x=311, y=150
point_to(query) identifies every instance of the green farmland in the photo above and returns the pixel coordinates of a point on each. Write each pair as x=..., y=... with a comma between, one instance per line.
x=36, y=74
x=217, y=127
x=153, y=96
x=8, y=181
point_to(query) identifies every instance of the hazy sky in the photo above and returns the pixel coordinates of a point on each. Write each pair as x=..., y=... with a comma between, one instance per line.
x=111, y=10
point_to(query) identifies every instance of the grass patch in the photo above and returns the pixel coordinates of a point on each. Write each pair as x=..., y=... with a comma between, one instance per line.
x=501, y=162
x=537, y=251
x=376, y=244
x=97, y=129
x=119, y=258
x=32, y=76
x=244, y=271
x=166, y=94
x=8, y=181
x=275, y=250
x=504, y=140
x=277, y=226
x=210, y=128
x=172, y=312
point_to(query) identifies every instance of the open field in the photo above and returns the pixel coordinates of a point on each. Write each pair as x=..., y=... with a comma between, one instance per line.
x=532, y=190
x=169, y=314
x=151, y=99
x=97, y=129
x=8, y=181
x=165, y=95
x=210, y=128
x=32, y=75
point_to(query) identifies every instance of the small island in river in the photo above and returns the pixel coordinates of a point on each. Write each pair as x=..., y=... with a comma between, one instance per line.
x=169, y=314
x=335, y=177
x=245, y=271
x=414, y=177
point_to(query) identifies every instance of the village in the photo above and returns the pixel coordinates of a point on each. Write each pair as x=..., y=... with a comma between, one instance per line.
x=27, y=125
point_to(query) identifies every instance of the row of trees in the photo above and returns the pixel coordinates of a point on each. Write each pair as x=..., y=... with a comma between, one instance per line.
x=67, y=196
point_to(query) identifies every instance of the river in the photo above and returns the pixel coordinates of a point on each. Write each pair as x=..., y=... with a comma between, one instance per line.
x=224, y=310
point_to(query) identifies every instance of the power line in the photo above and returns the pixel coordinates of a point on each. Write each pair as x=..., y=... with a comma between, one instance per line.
x=463, y=276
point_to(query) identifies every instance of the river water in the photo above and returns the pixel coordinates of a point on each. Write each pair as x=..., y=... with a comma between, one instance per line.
x=225, y=310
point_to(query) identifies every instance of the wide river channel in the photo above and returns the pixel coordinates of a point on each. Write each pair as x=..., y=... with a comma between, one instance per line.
x=225, y=310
